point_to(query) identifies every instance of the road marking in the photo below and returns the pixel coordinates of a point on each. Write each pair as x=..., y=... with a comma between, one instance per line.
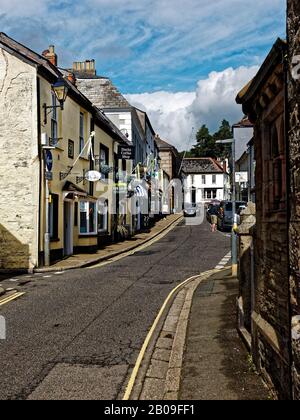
x=47, y=277
x=225, y=260
x=59, y=272
x=151, y=332
x=11, y=298
x=139, y=248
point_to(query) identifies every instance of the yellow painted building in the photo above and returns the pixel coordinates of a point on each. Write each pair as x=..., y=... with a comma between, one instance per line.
x=47, y=202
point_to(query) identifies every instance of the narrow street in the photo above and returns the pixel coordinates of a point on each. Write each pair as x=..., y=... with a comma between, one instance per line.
x=78, y=334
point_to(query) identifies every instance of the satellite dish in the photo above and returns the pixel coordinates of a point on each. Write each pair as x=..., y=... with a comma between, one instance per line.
x=93, y=176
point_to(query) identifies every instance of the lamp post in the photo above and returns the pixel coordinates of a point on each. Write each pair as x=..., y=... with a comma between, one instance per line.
x=234, y=229
x=60, y=90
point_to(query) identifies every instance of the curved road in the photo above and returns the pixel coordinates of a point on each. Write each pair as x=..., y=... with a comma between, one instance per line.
x=78, y=334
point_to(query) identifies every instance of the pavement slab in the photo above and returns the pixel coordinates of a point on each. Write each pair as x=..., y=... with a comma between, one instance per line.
x=216, y=363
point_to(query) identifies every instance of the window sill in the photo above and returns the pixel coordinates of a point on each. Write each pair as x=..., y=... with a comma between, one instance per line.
x=84, y=158
x=87, y=235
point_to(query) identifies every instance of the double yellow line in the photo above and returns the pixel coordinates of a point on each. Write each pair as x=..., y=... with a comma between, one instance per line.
x=142, y=353
x=10, y=298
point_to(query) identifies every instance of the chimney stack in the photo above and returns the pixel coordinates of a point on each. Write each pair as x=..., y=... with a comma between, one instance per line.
x=85, y=68
x=72, y=78
x=50, y=55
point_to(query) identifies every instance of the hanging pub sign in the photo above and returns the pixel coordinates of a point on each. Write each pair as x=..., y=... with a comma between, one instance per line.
x=93, y=176
x=126, y=152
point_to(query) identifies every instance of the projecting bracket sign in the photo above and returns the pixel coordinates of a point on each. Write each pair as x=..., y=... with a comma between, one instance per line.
x=126, y=152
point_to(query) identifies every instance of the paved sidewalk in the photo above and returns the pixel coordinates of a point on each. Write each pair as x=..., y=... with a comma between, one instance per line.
x=113, y=250
x=197, y=353
x=216, y=365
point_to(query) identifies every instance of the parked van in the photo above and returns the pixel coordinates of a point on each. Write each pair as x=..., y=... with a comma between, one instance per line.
x=225, y=214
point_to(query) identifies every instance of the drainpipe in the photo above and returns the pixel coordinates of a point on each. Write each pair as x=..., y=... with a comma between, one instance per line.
x=40, y=162
x=234, y=229
x=47, y=233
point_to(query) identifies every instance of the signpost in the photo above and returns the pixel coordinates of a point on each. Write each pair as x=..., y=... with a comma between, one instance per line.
x=49, y=160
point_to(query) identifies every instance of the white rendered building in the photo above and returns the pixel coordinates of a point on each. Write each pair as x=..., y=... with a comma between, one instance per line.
x=205, y=180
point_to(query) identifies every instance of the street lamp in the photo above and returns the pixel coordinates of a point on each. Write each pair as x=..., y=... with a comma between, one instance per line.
x=233, y=233
x=60, y=90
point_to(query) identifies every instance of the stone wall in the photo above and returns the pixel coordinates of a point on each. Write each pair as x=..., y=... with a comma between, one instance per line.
x=271, y=317
x=167, y=163
x=294, y=143
x=245, y=270
x=19, y=164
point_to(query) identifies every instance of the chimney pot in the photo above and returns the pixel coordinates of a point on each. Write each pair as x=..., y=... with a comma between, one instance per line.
x=50, y=55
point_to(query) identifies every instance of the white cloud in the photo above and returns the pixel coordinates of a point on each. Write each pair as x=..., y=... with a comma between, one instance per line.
x=18, y=8
x=174, y=114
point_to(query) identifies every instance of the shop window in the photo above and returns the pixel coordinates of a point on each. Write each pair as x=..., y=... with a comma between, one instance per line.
x=53, y=217
x=104, y=161
x=210, y=194
x=88, y=218
x=103, y=216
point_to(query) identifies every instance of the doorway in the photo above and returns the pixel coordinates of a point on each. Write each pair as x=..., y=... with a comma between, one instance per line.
x=68, y=228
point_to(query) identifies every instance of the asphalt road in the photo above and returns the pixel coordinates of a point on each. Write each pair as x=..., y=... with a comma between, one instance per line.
x=77, y=335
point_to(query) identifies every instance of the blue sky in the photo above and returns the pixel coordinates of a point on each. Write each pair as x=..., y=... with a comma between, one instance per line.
x=153, y=46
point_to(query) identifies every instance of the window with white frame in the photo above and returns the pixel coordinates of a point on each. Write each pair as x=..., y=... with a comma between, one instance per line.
x=214, y=179
x=81, y=132
x=88, y=218
x=203, y=179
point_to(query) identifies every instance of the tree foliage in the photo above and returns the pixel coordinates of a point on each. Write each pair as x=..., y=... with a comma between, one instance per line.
x=206, y=145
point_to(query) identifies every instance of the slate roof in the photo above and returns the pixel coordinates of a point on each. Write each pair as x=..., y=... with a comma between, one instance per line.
x=102, y=93
x=163, y=145
x=52, y=73
x=201, y=166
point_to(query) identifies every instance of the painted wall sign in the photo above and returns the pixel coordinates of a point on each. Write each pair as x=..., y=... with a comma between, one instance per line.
x=126, y=152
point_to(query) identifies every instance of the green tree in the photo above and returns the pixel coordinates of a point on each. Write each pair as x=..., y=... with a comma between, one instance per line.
x=206, y=145
x=224, y=132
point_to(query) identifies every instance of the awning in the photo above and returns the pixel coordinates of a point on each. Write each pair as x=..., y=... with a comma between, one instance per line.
x=70, y=189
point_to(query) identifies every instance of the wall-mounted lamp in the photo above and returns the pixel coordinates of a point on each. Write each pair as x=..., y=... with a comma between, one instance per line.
x=60, y=90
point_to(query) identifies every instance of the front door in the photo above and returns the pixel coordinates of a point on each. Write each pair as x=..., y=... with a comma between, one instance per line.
x=68, y=228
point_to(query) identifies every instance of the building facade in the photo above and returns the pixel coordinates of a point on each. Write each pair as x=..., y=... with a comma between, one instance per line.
x=263, y=101
x=205, y=180
x=243, y=133
x=48, y=206
x=294, y=187
x=135, y=126
x=169, y=162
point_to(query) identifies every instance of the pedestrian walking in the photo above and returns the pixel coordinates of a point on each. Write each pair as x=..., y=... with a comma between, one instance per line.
x=214, y=218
